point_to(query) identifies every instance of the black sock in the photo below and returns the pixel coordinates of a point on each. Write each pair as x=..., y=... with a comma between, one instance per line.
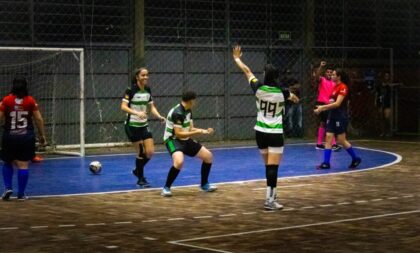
x=140, y=167
x=145, y=161
x=271, y=174
x=173, y=173
x=205, y=171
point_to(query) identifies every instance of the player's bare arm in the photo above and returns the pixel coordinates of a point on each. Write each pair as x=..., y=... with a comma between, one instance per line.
x=156, y=113
x=319, y=70
x=237, y=53
x=202, y=131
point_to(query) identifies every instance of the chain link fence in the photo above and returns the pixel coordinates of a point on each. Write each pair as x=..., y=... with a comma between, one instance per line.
x=186, y=45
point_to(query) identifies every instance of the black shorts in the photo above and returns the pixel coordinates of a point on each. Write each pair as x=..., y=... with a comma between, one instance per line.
x=18, y=147
x=135, y=134
x=336, y=126
x=323, y=116
x=265, y=140
x=189, y=147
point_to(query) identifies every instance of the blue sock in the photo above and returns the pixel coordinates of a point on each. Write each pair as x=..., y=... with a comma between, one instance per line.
x=351, y=153
x=7, y=175
x=327, y=156
x=22, y=181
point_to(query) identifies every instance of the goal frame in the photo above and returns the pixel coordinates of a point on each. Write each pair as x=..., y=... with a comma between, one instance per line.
x=81, y=53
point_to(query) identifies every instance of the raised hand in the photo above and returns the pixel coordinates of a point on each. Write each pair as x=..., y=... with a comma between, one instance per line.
x=236, y=52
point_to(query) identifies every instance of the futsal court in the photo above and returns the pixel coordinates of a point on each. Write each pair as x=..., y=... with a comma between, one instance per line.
x=232, y=164
x=114, y=81
x=372, y=209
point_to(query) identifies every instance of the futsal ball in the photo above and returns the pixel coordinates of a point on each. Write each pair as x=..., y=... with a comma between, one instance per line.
x=95, y=167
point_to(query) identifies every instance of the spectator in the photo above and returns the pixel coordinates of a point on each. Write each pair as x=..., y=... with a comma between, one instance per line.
x=294, y=110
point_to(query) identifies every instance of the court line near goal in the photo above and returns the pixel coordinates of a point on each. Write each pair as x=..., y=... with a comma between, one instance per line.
x=182, y=242
x=164, y=152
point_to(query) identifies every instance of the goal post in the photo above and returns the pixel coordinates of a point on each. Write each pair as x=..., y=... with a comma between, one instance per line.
x=57, y=81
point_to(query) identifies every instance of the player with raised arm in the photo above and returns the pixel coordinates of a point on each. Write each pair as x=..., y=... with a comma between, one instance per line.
x=18, y=110
x=135, y=103
x=337, y=121
x=269, y=126
x=177, y=138
x=325, y=88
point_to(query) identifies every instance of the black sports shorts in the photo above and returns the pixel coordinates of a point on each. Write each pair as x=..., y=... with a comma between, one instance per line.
x=265, y=140
x=189, y=147
x=135, y=134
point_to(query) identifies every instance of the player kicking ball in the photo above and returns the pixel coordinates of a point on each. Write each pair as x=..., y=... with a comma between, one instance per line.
x=177, y=138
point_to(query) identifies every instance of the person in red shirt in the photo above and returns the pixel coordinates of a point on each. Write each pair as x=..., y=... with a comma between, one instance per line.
x=337, y=119
x=18, y=110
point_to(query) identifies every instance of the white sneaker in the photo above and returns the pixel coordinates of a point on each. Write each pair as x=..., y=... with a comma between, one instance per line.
x=166, y=192
x=208, y=188
x=6, y=194
x=272, y=205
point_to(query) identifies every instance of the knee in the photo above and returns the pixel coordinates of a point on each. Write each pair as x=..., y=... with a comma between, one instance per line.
x=178, y=164
x=208, y=158
x=149, y=153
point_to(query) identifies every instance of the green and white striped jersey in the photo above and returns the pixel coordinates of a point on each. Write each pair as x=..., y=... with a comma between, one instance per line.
x=178, y=116
x=270, y=103
x=137, y=100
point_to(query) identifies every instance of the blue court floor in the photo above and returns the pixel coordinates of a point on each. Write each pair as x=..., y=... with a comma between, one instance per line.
x=70, y=175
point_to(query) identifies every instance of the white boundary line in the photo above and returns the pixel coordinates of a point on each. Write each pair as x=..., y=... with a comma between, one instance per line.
x=181, y=242
x=221, y=148
x=157, y=152
x=388, y=141
x=397, y=160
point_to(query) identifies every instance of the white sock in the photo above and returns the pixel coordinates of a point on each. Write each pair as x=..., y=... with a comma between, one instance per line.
x=271, y=193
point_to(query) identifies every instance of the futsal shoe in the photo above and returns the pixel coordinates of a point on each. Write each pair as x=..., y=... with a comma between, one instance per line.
x=37, y=159
x=208, y=188
x=323, y=166
x=355, y=163
x=142, y=182
x=320, y=146
x=166, y=192
x=272, y=205
x=336, y=148
x=22, y=197
x=6, y=194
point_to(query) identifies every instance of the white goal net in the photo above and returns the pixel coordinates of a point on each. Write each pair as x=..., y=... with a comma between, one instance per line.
x=56, y=81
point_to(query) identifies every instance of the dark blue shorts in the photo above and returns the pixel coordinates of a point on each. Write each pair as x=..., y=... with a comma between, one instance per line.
x=336, y=126
x=18, y=147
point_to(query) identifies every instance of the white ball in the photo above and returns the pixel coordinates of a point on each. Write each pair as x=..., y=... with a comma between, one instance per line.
x=95, y=167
